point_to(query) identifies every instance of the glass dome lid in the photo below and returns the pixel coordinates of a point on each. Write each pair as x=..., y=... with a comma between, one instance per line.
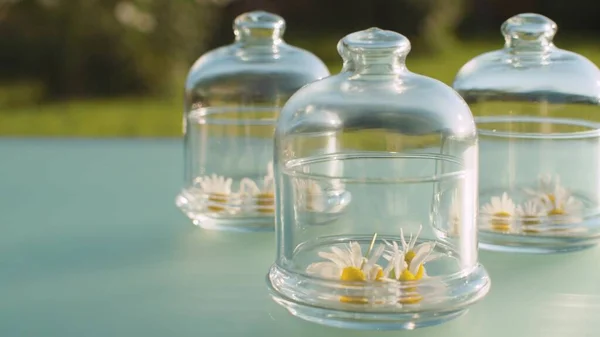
x=376, y=187
x=536, y=107
x=233, y=96
x=530, y=64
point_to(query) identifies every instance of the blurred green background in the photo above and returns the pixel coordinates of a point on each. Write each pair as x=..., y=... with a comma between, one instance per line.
x=108, y=68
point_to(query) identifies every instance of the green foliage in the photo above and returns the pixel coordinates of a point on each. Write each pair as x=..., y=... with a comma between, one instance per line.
x=101, y=48
x=155, y=117
x=132, y=117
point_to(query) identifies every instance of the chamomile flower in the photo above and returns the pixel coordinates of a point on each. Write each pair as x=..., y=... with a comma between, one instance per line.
x=218, y=191
x=397, y=264
x=560, y=205
x=413, y=256
x=499, y=212
x=547, y=184
x=311, y=195
x=349, y=264
x=563, y=208
x=531, y=214
x=417, y=255
x=407, y=264
x=548, y=188
x=262, y=199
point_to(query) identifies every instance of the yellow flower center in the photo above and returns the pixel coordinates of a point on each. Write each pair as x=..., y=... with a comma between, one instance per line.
x=501, y=221
x=265, y=202
x=216, y=198
x=531, y=220
x=356, y=275
x=528, y=222
x=411, y=299
x=407, y=276
x=379, y=274
x=353, y=300
x=420, y=272
x=412, y=296
x=353, y=274
x=410, y=255
x=556, y=211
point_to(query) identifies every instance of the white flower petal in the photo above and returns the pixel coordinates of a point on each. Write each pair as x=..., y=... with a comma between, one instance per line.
x=375, y=255
x=404, y=244
x=334, y=258
x=433, y=256
x=248, y=186
x=413, y=241
x=344, y=255
x=399, y=264
x=416, y=262
x=389, y=267
x=372, y=272
x=324, y=269
x=424, y=248
x=356, y=254
x=496, y=203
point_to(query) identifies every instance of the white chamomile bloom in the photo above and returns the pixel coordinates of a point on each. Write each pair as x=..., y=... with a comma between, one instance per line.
x=311, y=195
x=549, y=188
x=215, y=184
x=560, y=205
x=417, y=255
x=261, y=198
x=547, y=184
x=396, y=261
x=349, y=264
x=563, y=207
x=499, y=212
x=218, y=191
x=531, y=214
x=408, y=263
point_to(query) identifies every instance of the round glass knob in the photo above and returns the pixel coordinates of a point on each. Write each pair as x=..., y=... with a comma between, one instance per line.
x=374, y=51
x=259, y=25
x=528, y=29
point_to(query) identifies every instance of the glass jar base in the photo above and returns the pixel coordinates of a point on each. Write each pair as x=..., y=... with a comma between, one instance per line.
x=255, y=223
x=463, y=291
x=506, y=242
x=349, y=320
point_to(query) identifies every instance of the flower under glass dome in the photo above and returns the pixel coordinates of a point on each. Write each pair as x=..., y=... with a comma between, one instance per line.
x=537, y=109
x=233, y=96
x=376, y=194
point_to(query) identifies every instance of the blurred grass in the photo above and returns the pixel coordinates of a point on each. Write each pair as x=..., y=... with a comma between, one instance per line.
x=161, y=117
x=137, y=117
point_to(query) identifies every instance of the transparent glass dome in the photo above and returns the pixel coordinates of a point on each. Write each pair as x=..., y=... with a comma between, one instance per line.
x=537, y=109
x=233, y=96
x=376, y=178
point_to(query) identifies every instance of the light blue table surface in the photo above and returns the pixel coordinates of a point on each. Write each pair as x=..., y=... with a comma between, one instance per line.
x=91, y=244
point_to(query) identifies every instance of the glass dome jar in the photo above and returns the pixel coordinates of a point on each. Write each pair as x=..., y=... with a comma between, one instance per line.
x=233, y=96
x=389, y=158
x=537, y=110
